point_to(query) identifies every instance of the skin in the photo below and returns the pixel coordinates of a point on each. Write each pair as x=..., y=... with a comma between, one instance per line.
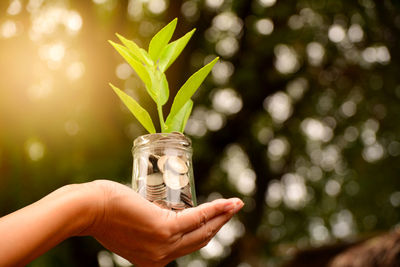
x=117, y=217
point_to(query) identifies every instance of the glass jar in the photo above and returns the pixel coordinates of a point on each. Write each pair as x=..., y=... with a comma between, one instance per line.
x=162, y=170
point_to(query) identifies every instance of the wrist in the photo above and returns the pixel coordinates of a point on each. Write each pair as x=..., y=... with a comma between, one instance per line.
x=95, y=196
x=87, y=201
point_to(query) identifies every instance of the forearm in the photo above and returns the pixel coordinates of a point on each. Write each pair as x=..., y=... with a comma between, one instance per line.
x=115, y=215
x=31, y=231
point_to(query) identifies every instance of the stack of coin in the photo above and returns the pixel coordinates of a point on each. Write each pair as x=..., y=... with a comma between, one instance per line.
x=186, y=196
x=155, y=187
x=164, y=180
x=177, y=205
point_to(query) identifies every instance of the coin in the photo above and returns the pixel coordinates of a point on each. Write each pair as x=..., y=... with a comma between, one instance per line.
x=162, y=204
x=188, y=204
x=186, y=191
x=183, y=180
x=187, y=201
x=185, y=197
x=176, y=164
x=175, y=181
x=184, y=157
x=155, y=187
x=156, y=192
x=161, y=162
x=154, y=179
x=153, y=197
x=177, y=206
x=163, y=173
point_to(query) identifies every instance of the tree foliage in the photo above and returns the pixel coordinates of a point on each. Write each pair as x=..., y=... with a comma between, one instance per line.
x=300, y=116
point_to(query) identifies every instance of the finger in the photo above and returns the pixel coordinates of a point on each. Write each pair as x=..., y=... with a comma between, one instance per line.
x=193, y=218
x=198, y=238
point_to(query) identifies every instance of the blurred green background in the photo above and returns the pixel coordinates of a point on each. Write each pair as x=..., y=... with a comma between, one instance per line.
x=300, y=117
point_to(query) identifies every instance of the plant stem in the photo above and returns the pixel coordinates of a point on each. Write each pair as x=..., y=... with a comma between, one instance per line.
x=161, y=117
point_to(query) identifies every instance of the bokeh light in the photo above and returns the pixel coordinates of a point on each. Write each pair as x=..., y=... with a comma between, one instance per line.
x=299, y=117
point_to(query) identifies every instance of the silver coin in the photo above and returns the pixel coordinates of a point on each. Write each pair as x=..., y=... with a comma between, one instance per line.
x=183, y=180
x=176, y=164
x=161, y=162
x=175, y=181
x=154, y=179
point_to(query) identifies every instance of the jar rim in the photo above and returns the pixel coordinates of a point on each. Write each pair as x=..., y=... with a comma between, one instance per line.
x=173, y=138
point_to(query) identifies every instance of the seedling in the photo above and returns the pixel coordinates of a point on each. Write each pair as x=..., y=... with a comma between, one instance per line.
x=150, y=66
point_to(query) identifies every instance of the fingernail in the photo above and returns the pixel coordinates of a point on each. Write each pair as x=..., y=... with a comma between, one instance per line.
x=238, y=206
x=229, y=206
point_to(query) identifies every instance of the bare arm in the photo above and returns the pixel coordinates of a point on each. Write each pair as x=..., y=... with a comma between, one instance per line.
x=117, y=217
x=31, y=231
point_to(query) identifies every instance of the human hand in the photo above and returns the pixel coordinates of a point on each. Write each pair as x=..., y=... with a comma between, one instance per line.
x=148, y=235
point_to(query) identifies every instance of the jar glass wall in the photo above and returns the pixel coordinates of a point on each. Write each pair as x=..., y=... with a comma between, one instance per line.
x=162, y=170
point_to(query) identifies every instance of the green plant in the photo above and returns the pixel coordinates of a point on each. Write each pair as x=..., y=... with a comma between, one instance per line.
x=150, y=66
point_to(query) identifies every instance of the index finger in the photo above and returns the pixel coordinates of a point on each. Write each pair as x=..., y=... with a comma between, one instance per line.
x=193, y=218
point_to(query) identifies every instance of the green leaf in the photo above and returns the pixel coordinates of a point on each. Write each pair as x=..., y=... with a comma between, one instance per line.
x=164, y=89
x=187, y=111
x=140, y=69
x=159, y=87
x=188, y=89
x=173, y=50
x=161, y=39
x=144, y=71
x=135, y=50
x=140, y=113
x=147, y=57
x=178, y=123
